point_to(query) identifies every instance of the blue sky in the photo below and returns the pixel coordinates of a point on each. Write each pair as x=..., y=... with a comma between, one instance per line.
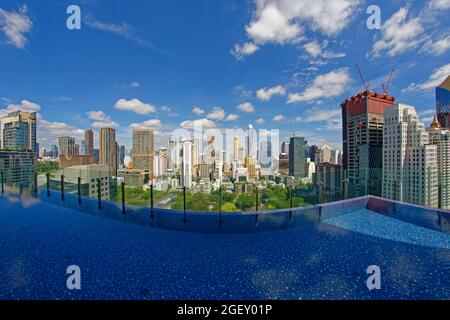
x=278, y=64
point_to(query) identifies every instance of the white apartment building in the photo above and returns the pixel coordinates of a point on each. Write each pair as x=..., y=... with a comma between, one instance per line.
x=409, y=161
x=323, y=154
x=89, y=174
x=441, y=138
x=186, y=156
x=310, y=168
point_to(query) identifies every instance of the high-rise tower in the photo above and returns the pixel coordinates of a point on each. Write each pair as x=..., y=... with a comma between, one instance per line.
x=18, y=131
x=108, y=149
x=143, y=149
x=362, y=137
x=89, y=141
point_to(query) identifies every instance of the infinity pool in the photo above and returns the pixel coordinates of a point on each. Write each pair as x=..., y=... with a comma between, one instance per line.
x=118, y=260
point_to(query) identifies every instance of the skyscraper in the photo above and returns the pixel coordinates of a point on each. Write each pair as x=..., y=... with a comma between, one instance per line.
x=265, y=154
x=18, y=131
x=67, y=146
x=186, y=158
x=250, y=143
x=143, y=149
x=409, y=161
x=441, y=138
x=285, y=148
x=443, y=103
x=173, y=154
x=121, y=155
x=18, y=148
x=297, y=160
x=108, y=149
x=236, y=149
x=362, y=136
x=89, y=141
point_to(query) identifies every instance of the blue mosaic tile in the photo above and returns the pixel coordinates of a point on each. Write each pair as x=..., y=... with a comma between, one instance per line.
x=120, y=260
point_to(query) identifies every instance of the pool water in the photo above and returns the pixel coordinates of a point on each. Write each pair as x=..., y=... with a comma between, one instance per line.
x=118, y=260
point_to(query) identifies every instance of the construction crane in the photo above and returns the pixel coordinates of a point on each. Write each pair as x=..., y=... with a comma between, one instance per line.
x=365, y=84
x=386, y=86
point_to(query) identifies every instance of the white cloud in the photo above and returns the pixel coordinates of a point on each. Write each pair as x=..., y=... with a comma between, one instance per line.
x=318, y=50
x=439, y=4
x=320, y=115
x=217, y=113
x=265, y=94
x=428, y=112
x=232, y=117
x=15, y=24
x=282, y=21
x=242, y=50
x=48, y=132
x=328, y=85
x=278, y=118
x=123, y=30
x=135, y=105
x=198, y=111
x=399, y=34
x=260, y=121
x=242, y=92
x=246, y=107
x=152, y=123
x=24, y=105
x=272, y=25
x=438, y=47
x=101, y=120
x=169, y=110
x=190, y=124
x=435, y=79
x=135, y=84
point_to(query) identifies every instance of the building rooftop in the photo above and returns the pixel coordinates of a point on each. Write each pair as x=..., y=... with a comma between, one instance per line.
x=445, y=84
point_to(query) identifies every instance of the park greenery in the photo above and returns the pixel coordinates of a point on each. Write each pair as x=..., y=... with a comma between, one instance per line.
x=269, y=198
x=45, y=167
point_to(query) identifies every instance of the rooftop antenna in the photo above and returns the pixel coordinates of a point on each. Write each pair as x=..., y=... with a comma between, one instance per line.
x=386, y=86
x=364, y=82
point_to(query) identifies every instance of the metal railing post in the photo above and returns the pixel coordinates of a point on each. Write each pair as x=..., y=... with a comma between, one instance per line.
x=184, y=204
x=151, y=196
x=184, y=199
x=35, y=185
x=290, y=202
x=48, y=184
x=220, y=205
x=123, y=197
x=256, y=199
x=62, y=187
x=3, y=182
x=79, y=190
x=99, y=193
x=345, y=189
x=321, y=192
x=220, y=199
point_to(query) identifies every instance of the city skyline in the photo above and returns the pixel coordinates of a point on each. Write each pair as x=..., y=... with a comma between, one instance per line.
x=169, y=83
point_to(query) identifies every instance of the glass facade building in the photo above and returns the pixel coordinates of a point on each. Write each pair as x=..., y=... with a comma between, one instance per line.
x=443, y=103
x=297, y=159
x=18, y=131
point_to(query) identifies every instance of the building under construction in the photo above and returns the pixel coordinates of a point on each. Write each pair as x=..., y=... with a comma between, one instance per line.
x=362, y=136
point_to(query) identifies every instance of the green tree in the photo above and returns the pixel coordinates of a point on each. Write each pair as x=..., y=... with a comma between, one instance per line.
x=245, y=201
x=229, y=207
